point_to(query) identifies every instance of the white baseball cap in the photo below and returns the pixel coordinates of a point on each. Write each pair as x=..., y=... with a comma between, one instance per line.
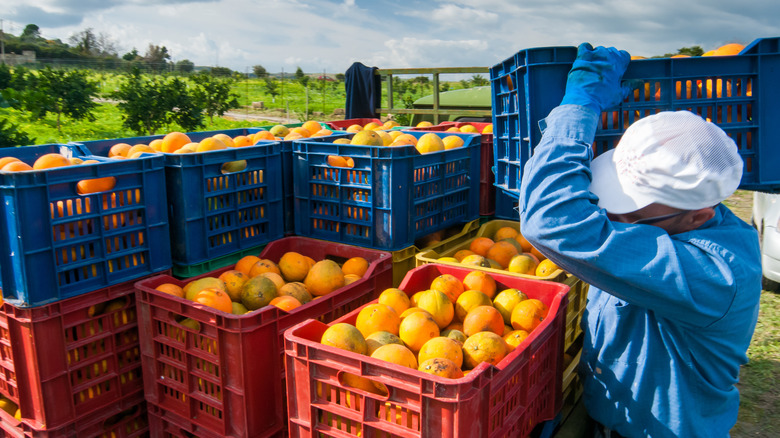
x=674, y=158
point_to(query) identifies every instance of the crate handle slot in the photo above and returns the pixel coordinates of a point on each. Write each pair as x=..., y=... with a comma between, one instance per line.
x=181, y=320
x=340, y=161
x=95, y=185
x=233, y=167
x=364, y=384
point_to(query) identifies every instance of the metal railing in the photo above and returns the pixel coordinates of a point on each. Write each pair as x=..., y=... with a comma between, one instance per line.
x=436, y=111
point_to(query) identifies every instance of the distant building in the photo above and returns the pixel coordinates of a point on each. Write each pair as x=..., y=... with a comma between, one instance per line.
x=27, y=57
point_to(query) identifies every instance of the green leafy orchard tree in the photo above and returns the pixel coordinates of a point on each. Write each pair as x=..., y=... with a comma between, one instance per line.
x=62, y=92
x=185, y=107
x=11, y=135
x=214, y=95
x=148, y=105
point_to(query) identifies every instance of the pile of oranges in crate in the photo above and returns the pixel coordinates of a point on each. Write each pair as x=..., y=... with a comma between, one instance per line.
x=446, y=330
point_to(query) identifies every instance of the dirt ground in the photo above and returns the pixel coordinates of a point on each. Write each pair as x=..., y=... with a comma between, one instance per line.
x=741, y=203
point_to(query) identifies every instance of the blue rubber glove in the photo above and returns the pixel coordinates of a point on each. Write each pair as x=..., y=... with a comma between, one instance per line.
x=594, y=79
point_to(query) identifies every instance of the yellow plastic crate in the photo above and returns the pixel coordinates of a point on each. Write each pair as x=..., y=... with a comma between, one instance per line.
x=578, y=293
x=572, y=384
x=404, y=259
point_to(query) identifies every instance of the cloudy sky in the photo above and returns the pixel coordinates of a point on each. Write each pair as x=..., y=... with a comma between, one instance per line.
x=329, y=35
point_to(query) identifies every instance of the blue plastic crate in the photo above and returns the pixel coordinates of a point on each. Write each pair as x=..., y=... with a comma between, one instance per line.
x=738, y=93
x=214, y=214
x=507, y=206
x=57, y=243
x=391, y=197
x=101, y=147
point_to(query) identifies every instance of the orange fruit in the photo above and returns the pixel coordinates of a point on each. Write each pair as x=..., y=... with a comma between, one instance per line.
x=258, y=292
x=263, y=265
x=463, y=253
x=311, y=126
x=483, y=347
x=174, y=141
x=286, y=303
x=729, y=50
x=324, y=277
x=537, y=254
x=356, y=265
x=395, y=298
x=49, y=161
x=211, y=144
x=523, y=242
x=351, y=278
x=16, y=166
x=377, y=317
x=424, y=124
x=6, y=160
x=454, y=325
x=322, y=133
x=527, y=315
x=380, y=338
x=515, y=338
x=276, y=278
x=404, y=140
x=397, y=354
x=293, y=266
x=488, y=129
x=442, y=347
x=442, y=367
x=346, y=337
x=234, y=280
x=416, y=329
x=502, y=252
x=438, y=305
x=428, y=143
x=468, y=128
x=455, y=334
x=119, y=149
x=95, y=185
x=156, y=144
x=215, y=298
x=483, y=318
x=481, y=281
x=523, y=264
x=245, y=264
x=297, y=290
x=193, y=287
x=468, y=300
x=411, y=310
x=262, y=135
x=476, y=260
x=505, y=233
x=505, y=302
x=240, y=141
x=481, y=245
x=133, y=151
x=546, y=267
x=172, y=289
x=225, y=139
x=449, y=284
x=452, y=142
x=414, y=298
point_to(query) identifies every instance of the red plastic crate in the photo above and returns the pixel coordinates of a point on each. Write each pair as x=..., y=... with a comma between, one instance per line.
x=226, y=377
x=342, y=125
x=164, y=424
x=487, y=191
x=124, y=419
x=82, y=352
x=507, y=400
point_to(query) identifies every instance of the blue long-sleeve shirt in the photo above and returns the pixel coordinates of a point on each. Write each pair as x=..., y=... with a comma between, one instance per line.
x=669, y=318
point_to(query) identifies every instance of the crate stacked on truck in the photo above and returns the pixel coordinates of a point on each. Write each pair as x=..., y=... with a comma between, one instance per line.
x=735, y=92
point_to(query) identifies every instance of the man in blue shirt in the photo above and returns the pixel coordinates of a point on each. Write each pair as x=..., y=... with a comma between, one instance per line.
x=675, y=276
